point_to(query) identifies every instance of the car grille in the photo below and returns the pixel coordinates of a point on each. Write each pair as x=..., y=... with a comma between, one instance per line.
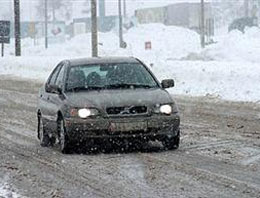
x=127, y=111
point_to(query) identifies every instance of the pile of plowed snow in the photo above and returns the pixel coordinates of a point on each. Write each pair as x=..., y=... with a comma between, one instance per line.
x=234, y=73
x=168, y=42
x=235, y=46
x=235, y=81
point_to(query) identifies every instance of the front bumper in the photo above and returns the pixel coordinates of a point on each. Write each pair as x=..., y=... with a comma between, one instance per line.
x=158, y=126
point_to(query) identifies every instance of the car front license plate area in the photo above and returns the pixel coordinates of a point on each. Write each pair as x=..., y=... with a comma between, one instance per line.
x=128, y=126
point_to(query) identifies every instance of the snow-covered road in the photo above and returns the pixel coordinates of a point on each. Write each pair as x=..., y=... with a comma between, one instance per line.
x=218, y=156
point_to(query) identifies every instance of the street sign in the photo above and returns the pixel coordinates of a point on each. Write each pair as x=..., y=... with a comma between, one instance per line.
x=4, y=34
x=148, y=45
x=4, y=28
x=5, y=40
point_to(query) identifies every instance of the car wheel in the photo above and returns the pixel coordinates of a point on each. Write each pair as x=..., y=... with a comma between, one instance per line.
x=63, y=138
x=42, y=134
x=171, y=143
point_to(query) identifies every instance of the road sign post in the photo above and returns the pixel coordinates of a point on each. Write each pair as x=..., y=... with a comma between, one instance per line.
x=2, y=51
x=46, y=23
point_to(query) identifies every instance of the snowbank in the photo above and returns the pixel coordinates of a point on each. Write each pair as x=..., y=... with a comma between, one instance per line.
x=234, y=81
x=227, y=80
x=36, y=68
x=236, y=46
x=234, y=73
x=167, y=42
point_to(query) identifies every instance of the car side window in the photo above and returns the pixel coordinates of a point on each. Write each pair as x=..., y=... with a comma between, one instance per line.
x=54, y=76
x=60, y=77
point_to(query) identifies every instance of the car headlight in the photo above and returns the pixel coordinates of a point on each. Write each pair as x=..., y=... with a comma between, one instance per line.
x=84, y=112
x=166, y=109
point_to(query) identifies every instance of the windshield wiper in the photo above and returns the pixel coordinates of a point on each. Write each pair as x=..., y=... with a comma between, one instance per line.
x=82, y=88
x=128, y=85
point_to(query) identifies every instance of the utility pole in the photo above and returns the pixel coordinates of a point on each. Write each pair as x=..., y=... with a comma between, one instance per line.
x=17, y=25
x=124, y=8
x=94, y=30
x=46, y=23
x=202, y=26
x=121, y=41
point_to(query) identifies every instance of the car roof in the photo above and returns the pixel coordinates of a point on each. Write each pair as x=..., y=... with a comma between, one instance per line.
x=102, y=60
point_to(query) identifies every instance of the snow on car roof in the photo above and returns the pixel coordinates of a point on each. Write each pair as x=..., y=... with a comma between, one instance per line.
x=102, y=60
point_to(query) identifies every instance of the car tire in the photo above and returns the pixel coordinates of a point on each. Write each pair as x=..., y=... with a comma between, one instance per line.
x=63, y=137
x=172, y=143
x=43, y=136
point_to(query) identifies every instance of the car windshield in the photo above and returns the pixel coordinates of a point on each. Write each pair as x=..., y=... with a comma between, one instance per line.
x=109, y=76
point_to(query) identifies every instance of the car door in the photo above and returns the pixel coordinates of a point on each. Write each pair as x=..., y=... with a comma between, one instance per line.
x=56, y=100
x=47, y=106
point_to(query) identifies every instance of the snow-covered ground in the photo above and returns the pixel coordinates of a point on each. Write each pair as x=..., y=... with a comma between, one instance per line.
x=228, y=69
x=227, y=80
x=235, y=46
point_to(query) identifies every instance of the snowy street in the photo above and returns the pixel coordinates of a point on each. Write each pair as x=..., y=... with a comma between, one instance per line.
x=129, y=98
x=219, y=154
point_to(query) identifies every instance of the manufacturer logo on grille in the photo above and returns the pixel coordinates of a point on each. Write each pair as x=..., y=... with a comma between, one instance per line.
x=126, y=111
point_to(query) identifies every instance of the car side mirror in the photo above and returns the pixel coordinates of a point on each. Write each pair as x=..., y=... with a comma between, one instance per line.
x=53, y=89
x=167, y=83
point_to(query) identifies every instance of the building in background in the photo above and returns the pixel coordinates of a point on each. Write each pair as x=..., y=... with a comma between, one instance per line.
x=254, y=10
x=181, y=14
x=83, y=25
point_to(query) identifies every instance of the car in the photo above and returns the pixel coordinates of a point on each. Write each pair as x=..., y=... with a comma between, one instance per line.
x=241, y=23
x=106, y=99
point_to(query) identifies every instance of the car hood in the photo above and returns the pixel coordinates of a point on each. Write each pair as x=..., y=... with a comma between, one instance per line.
x=118, y=98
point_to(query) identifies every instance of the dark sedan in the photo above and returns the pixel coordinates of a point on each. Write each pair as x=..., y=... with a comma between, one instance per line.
x=106, y=99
